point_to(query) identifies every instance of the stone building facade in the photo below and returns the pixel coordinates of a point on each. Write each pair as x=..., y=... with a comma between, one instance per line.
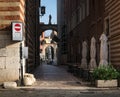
x=32, y=33
x=84, y=19
x=112, y=29
x=25, y=11
x=62, y=50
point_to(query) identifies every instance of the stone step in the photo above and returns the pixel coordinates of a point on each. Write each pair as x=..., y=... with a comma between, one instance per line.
x=10, y=85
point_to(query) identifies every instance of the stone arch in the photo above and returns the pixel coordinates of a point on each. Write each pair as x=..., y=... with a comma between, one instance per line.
x=54, y=46
x=44, y=27
x=49, y=55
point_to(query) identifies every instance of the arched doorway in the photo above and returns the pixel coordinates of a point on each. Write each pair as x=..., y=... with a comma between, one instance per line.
x=48, y=47
x=49, y=54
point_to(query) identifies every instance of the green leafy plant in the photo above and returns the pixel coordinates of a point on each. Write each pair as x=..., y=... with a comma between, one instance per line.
x=105, y=73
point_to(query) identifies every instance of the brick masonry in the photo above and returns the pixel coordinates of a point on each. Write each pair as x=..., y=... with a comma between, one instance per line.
x=10, y=11
x=112, y=12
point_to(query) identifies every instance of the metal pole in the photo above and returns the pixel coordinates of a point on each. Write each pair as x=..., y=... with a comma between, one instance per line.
x=21, y=64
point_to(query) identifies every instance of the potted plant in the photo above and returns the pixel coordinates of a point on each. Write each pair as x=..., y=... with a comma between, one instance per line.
x=106, y=76
x=119, y=78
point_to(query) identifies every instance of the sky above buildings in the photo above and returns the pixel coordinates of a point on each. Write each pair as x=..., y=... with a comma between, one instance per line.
x=51, y=9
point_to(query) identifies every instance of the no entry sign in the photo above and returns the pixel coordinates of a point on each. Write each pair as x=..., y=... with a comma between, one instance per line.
x=17, y=27
x=17, y=30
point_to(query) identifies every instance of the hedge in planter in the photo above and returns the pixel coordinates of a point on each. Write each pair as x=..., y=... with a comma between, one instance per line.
x=105, y=76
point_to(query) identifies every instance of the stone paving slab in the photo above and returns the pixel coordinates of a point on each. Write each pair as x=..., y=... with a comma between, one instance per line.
x=57, y=77
x=57, y=93
x=55, y=81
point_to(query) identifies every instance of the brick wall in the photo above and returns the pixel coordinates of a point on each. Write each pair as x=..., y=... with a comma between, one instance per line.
x=10, y=10
x=32, y=30
x=26, y=11
x=112, y=13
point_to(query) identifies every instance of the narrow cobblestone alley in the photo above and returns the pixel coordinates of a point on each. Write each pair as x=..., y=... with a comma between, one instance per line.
x=55, y=77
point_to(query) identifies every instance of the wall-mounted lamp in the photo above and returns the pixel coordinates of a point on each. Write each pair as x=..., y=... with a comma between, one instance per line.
x=42, y=10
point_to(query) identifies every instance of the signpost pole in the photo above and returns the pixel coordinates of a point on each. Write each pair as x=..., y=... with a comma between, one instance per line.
x=21, y=64
x=17, y=35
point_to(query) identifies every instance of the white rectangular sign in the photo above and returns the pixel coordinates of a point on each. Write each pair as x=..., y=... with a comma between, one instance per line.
x=17, y=31
x=25, y=52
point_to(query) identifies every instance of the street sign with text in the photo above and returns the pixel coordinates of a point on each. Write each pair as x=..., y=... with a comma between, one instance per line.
x=17, y=31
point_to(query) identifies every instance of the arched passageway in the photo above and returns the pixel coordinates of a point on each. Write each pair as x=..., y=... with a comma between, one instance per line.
x=50, y=52
x=43, y=27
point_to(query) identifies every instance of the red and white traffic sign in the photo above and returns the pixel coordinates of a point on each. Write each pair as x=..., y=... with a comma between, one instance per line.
x=17, y=27
x=17, y=31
